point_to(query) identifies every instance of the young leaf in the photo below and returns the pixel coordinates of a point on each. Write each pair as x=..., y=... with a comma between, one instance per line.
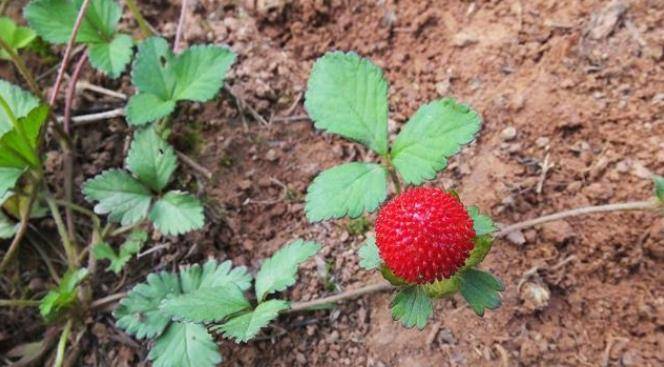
x=436, y=132
x=63, y=296
x=245, y=327
x=162, y=78
x=482, y=224
x=7, y=226
x=15, y=36
x=111, y=57
x=121, y=196
x=659, y=187
x=139, y=313
x=151, y=159
x=481, y=290
x=18, y=147
x=185, y=344
x=176, y=213
x=347, y=95
x=206, y=304
x=19, y=101
x=349, y=189
x=369, y=255
x=280, y=271
x=412, y=307
x=128, y=249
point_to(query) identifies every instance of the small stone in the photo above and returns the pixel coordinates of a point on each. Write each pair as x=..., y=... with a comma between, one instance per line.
x=542, y=141
x=535, y=296
x=271, y=155
x=516, y=237
x=508, y=133
x=640, y=170
x=623, y=166
x=558, y=232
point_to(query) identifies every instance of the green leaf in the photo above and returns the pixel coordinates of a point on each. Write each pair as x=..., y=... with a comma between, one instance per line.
x=151, y=159
x=482, y=224
x=18, y=147
x=63, y=296
x=280, y=271
x=185, y=345
x=19, y=101
x=15, y=36
x=139, y=314
x=349, y=189
x=8, y=178
x=163, y=78
x=111, y=57
x=245, y=327
x=347, y=95
x=128, y=249
x=213, y=274
x=436, y=132
x=177, y=212
x=369, y=254
x=659, y=187
x=118, y=194
x=412, y=307
x=206, y=304
x=481, y=290
x=7, y=226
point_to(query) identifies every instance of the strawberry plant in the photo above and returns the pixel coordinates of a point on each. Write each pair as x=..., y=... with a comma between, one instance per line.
x=16, y=37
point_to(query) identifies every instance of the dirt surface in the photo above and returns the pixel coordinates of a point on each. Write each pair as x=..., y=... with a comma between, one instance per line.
x=572, y=97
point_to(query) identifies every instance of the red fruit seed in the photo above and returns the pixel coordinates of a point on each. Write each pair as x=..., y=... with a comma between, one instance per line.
x=424, y=234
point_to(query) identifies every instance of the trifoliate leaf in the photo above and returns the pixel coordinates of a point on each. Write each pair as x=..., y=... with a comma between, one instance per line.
x=481, y=290
x=280, y=271
x=349, y=189
x=347, y=95
x=163, y=78
x=185, y=344
x=128, y=249
x=120, y=195
x=412, y=307
x=111, y=57
x=206, y=304
x=177, y=212
x=245, y=327
x=369, y=255
x=482, y=224
x=214, y=274
x=15, y=36
x=139, y=314
x=7, y=226
x=151, y=159
x=659, y=187
x=63, y=296
x=19, y=101
x=436, y=132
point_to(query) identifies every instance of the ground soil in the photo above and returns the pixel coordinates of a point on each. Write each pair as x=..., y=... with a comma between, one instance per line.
x=576, y=87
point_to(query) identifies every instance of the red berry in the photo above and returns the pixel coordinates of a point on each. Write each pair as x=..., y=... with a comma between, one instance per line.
x=424, y=234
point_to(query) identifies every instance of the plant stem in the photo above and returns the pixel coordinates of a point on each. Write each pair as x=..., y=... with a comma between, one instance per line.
x=633, y=205
x=22, y=229
x=344, y=296
x=22, y=69
x=136, y=13
x=180, y=29
x=18, y=303
x=70, y=248
x=62, y=343
x=393, y=173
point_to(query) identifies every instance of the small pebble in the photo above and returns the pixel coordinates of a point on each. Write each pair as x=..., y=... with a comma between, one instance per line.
x=508, y=133
x=542, y=141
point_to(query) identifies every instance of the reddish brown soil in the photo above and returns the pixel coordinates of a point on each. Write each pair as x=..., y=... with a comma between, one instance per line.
x=584, y=94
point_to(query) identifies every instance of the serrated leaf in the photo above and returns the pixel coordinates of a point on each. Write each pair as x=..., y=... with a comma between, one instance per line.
x=7, y=226
x=111, y=57
x=128, y=249
x=139, y=314
x=280, y=271
x=659, y=187
x=18, y=147
x=369, y=254
x=63, y=296
x=347, y=95
x=19, y=101
x=481, y=290
x=349, y=189
x=120, y=195
x=185, y=345
x=15, y=36
x=177, y=212
x=151, y=159
x=214, y=274
x=482, y=224
x=8, y=178
x=206, y=304
x=434, y=133
x=412, y=306
x=163, y=78
x=245, y=327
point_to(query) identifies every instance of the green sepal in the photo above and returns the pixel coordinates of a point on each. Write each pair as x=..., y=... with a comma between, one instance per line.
x=391, y=277
x=443, y=288
x=482, y=247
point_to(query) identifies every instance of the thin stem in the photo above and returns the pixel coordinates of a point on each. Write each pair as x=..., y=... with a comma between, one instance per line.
x=22, y=230
x=393, y=173
x=22, y=69
x=108, y=299
x=62, y=343
x=180, y=29
x=142, y=23
x=18, y=303
x=344, y=296
x=633, y=205
x=70, y=248
x=68, y=49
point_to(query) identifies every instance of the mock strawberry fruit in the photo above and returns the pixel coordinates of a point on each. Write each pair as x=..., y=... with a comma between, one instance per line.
x=424, y=235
